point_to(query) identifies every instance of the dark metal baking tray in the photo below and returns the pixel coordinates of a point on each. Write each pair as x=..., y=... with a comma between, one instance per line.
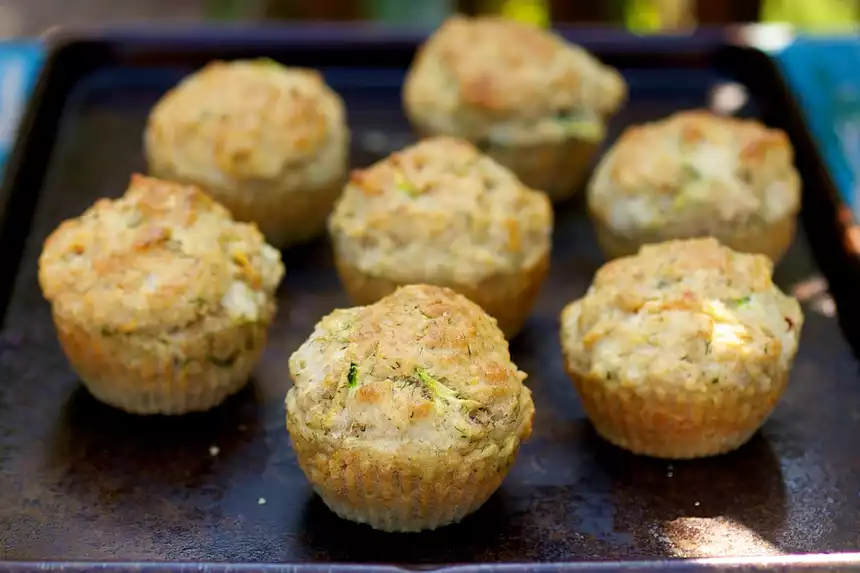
x=80, y=482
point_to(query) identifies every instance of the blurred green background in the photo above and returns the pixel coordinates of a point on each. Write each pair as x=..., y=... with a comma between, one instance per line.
x=30, y=17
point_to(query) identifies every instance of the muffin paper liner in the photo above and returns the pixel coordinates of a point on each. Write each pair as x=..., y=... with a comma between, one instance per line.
x=286, y=218
x=398, y=492
x=507, y=298
x=122, y=373
x=676, y=425
x=773, y=240
x=559, y=169
x=285, y=214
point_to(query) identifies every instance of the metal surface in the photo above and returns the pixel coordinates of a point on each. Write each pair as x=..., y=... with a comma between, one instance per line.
x=80, y=481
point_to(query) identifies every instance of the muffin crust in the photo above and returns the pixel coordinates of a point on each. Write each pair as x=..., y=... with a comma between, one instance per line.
x=532, y=101
x=682, y=350
x=489, y=77
x=698, y=174
x=419, y=394
x=268, y=141
x=159, y=297
x=442, y=213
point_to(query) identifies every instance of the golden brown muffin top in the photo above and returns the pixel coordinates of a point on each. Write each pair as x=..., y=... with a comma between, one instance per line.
x=694, y=173
x=161, y=257
x=440, y=210
x=489, y=71
x=688, y=315
x=246, y=119
x=424, y=367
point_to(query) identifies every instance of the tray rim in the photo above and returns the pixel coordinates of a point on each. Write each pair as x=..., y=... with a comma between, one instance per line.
x=257, y=36
x=818, y=563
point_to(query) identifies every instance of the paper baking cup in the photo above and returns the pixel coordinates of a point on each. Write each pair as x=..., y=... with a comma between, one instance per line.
x=144, y=377
x=679, y=425
x=772, y=240
x=399, y=493
x=558, y=169
x=285, y=217
x=508, y=298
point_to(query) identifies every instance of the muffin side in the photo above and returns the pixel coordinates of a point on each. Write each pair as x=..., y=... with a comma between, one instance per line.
x=407, y=414
x=532, y=101
x=696, y=174
x=442, y=213
x=683, y=350
x=161, y=301
x=508, y=298
x=267, y=141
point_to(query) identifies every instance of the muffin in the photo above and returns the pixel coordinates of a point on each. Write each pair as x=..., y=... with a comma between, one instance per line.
x=161, y=301
x=442, y=213
x=695, y=174
x=683, y=350
x=527, y=98
x=407, y=414
x=268, y=142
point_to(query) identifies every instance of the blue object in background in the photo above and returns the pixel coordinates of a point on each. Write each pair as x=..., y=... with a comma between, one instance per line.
x=20, y=63
x=824, y=77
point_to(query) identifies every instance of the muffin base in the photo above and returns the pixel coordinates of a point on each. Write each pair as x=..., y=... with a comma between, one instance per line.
x=507, y=298
x=668, y=426
x=558, y=169
x=285, y=218
x=130, y=375
x=772, y=240
x=286, y=215
x=398, y=492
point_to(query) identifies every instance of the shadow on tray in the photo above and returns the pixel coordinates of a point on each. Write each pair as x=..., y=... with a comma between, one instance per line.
x=733, y=504
x=623, y=506
x=95, y=443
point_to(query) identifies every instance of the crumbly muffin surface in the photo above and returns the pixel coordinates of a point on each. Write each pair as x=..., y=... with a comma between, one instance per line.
x=440, y=210
x=162, y=258
x=489, y=77
x=695, y=173
x=424, y=367
x=685, y=316
x=248, y=120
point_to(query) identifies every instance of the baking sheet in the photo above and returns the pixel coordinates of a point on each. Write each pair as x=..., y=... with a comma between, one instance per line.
x=82, y=482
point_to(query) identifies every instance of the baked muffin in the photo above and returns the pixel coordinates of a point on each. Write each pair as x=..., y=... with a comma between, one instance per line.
x=161, y=301
x=696, y=174
x=683, y=350
x=268, y=142
x=442, y=213
x=407, y=414
x=530, y=100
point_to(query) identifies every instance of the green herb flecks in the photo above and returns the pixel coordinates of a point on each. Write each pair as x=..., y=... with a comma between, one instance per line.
x=690, y=173
x=442, y=393
x=581, y=124
x=352, y=375
x=269, y=62
x=740, y=302
x=404, y=185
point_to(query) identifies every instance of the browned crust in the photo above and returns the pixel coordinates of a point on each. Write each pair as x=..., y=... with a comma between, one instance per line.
x=665, y=425
x=507, y=298
x=126, y=374
x=772, y=240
